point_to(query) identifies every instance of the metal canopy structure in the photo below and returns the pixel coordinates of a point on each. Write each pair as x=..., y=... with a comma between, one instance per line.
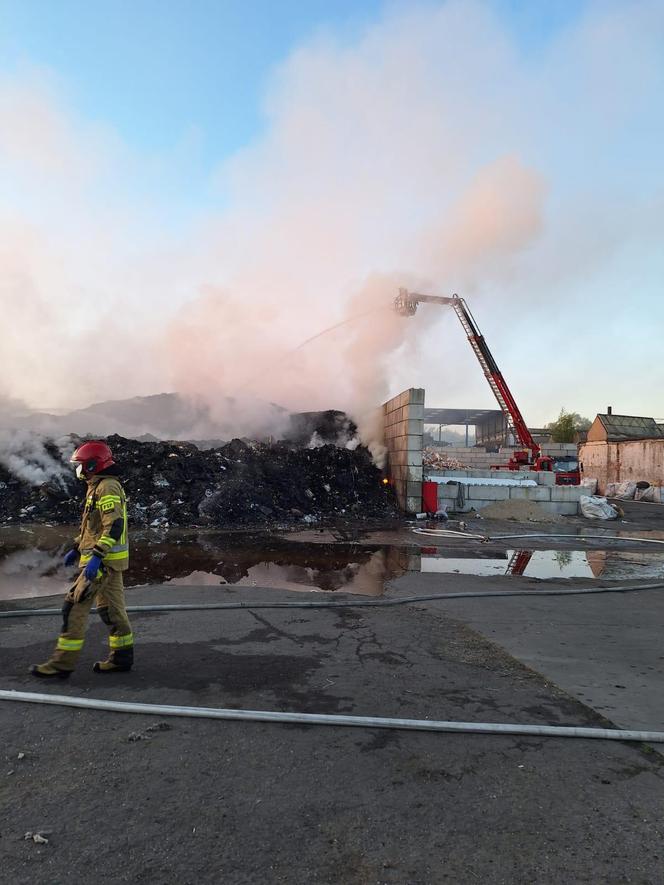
x=491, y=426
x=459, y=416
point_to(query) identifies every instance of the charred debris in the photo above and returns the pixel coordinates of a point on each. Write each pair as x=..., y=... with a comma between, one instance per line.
x=319, y=475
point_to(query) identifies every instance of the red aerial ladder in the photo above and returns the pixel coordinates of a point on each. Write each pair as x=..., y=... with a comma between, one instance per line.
x=519, y=562
x=406, y=304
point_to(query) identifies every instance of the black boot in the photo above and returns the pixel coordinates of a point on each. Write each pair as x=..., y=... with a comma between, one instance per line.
x=119, y=661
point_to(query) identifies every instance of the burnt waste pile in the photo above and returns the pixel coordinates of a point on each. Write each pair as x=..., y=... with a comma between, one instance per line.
x=239, y=483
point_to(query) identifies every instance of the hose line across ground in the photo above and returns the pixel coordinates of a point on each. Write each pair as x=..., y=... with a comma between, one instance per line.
x=582, y=536
x=614, y=734
x=350, y=603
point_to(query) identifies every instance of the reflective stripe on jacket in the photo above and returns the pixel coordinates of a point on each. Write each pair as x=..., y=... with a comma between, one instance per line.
x=104, y=524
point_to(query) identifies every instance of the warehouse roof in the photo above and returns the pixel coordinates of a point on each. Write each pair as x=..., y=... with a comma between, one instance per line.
x=458, y=416
x=621, y=427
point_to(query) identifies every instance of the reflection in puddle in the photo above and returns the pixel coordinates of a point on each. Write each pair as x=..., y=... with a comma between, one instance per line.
x=533, y=564
x=608, y=564
x=366, y=576
x=26, y=573
x=30, y=562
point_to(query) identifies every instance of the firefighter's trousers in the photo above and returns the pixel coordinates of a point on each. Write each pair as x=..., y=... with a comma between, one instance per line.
x=108, y=594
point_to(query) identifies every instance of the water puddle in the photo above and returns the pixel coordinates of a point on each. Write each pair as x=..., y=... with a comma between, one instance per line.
x=30, y=562
x=610, y=565
x=364, y=572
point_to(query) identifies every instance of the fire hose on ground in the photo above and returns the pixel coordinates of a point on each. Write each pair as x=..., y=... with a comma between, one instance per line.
x=499, y=728
x=349, y=603
x=582, y=536
x=336, y=720
x=494, y=728
x=402, y=600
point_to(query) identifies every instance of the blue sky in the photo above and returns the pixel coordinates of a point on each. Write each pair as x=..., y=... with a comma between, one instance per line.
x=160, y=71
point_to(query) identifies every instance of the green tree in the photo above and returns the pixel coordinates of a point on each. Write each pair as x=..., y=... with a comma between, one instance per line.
x=579, y=422
x=565, y=427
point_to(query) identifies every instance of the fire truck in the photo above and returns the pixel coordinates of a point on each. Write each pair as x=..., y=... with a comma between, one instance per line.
x=530, y=457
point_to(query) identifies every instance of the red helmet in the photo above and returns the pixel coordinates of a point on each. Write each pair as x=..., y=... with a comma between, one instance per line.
x=93, y=456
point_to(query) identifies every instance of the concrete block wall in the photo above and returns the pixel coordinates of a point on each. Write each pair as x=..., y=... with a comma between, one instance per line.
x=563, y=500
x=538, y=493
x=403, y=429
x=559, y=449
x=549, y=448
x=478, y=457
x=541, y=477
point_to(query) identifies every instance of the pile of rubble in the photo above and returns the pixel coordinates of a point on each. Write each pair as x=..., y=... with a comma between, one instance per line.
x=240, y=483
x=437, y=460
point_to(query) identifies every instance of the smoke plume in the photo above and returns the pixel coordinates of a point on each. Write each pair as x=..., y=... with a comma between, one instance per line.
x=26, y=456
x=432, y=151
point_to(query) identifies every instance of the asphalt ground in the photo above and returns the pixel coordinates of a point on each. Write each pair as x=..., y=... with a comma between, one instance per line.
x=138, y=798
x=607, y=650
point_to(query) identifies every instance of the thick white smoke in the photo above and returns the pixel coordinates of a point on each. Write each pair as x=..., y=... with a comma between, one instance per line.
x=25, y=456
x=431, y=152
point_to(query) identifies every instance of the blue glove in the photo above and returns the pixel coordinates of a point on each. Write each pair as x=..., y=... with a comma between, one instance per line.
x=71, y=557
x=92, y=568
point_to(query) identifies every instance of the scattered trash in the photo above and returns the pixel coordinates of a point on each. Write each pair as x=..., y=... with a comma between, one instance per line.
x=38, y=837
x=648, y=493
x=437, y=460
x=589, y=483
x=597, y=507
x=21, y=756
x=623, y=490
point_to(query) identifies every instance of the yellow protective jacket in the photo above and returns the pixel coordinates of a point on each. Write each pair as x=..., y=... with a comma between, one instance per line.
x=104, y=524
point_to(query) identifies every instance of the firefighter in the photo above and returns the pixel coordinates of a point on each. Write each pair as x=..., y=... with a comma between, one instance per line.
x=102, y=551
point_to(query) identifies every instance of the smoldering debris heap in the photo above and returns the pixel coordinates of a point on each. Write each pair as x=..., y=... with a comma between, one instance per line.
x=240, y=483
